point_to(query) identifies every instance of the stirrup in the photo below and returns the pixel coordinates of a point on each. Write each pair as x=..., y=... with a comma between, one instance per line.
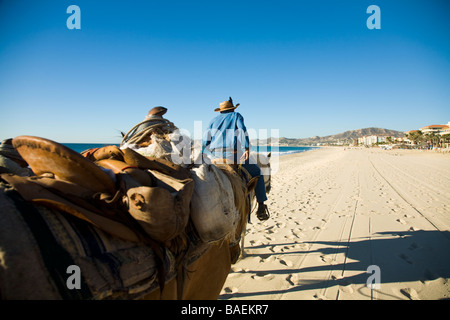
x=262, y=216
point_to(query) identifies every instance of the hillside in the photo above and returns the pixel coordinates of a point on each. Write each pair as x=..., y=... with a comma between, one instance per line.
x=346, y=137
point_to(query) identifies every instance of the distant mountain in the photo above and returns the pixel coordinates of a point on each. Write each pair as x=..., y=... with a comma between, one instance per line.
x=346, y=137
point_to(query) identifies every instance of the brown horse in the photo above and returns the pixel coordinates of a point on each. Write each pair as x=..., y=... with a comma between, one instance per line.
x=263, y=162
x=46, y=253
x=204, y=278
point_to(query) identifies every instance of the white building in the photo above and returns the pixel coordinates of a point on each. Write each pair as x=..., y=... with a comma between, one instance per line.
x=370, y=140
x=437, y=129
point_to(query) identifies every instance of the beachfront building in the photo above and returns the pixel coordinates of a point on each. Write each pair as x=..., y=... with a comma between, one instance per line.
x=445, y=130
x=370, y=140
x=430, y=137
x=440, y=129
x=411, y=131
x=445, y=133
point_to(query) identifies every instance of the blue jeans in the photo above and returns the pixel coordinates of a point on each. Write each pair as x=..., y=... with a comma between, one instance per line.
x=260, y=190
x=253, y=169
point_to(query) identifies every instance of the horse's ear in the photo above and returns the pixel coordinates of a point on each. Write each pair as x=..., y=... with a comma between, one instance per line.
x=251, y=185
x=269, y=154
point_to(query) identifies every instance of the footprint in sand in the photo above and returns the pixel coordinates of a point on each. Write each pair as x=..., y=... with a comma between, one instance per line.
x=410, y=293
x=326, y=259
x=347, y=288
x=336, y=277
x=429, y=275
x=256, y=243
x=319, y=296
x=230, y=290
x=291, y=237
x=300, y=246
x=405, y=258
x=234, y=275
x=263, y=276
x=286, y=262
x=266, y=258
x=276, y=249
x=293, y=279
x=296, y=232
x=280, y=225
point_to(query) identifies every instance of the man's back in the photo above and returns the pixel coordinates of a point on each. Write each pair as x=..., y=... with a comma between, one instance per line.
x=227, y=131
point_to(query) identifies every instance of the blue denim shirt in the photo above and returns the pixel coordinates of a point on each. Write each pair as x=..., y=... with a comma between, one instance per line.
x=226, y=132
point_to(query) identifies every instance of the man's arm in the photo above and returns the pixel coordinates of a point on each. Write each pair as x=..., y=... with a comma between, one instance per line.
x=246, y=143
x=246, y=155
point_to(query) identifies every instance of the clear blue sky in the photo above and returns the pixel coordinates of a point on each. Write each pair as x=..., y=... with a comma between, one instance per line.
x=304, y=67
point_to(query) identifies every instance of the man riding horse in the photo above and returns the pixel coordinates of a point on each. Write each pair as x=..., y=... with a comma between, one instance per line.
x=227, y=138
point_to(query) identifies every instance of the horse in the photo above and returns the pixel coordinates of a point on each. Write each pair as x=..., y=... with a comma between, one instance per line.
x=263, y=162
x=214, y=266
x=50, y=253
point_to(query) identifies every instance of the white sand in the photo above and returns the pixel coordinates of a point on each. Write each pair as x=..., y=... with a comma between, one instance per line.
x=335, y=212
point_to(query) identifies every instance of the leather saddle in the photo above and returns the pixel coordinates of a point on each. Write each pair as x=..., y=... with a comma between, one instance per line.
x=236, y=167
x=118, y=191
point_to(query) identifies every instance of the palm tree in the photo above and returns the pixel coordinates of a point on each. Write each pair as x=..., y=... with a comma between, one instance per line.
x=416, y=137
x=432, y=139
x=436, y=140
x=427, y=139
x=446, y=139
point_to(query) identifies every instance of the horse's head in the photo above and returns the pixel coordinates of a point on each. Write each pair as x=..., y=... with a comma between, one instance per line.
x=263, y=161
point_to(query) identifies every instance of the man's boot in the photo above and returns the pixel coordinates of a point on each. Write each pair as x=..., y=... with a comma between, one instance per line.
x=263, y=212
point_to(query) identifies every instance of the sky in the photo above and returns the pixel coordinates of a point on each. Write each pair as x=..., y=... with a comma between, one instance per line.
x=298, y=68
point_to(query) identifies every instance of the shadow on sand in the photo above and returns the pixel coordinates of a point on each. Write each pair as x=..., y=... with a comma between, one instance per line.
x=401, y=256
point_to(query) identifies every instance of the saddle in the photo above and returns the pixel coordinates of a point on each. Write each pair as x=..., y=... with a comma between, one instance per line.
x=236, y=167
x=119, y=191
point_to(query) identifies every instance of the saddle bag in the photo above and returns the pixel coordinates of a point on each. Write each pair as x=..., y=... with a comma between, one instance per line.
x=162, y=210
x=213, y=210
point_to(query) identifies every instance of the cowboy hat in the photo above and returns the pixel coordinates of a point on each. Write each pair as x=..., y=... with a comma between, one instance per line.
x=226, y=105
x=157, y=111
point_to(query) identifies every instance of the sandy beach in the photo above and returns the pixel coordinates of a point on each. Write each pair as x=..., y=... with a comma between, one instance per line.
x=345, y=219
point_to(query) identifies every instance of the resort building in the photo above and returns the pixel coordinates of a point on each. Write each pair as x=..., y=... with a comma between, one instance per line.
x=437, y=129
x=370, y=140
x=429, y=136
x=446, y=130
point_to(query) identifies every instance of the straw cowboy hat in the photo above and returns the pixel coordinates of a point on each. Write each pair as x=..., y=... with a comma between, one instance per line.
x=226, y=105
x=157, y=111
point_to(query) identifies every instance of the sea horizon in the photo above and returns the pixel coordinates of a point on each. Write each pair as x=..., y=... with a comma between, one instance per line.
x=279, y=150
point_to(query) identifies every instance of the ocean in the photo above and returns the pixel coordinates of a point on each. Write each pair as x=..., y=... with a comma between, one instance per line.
x=281, y=151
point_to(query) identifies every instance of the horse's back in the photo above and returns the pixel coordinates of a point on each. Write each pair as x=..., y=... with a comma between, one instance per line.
x=50, y=242
x=19, y=280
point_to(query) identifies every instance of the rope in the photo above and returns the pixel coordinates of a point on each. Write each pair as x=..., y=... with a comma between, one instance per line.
x=137, y=137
